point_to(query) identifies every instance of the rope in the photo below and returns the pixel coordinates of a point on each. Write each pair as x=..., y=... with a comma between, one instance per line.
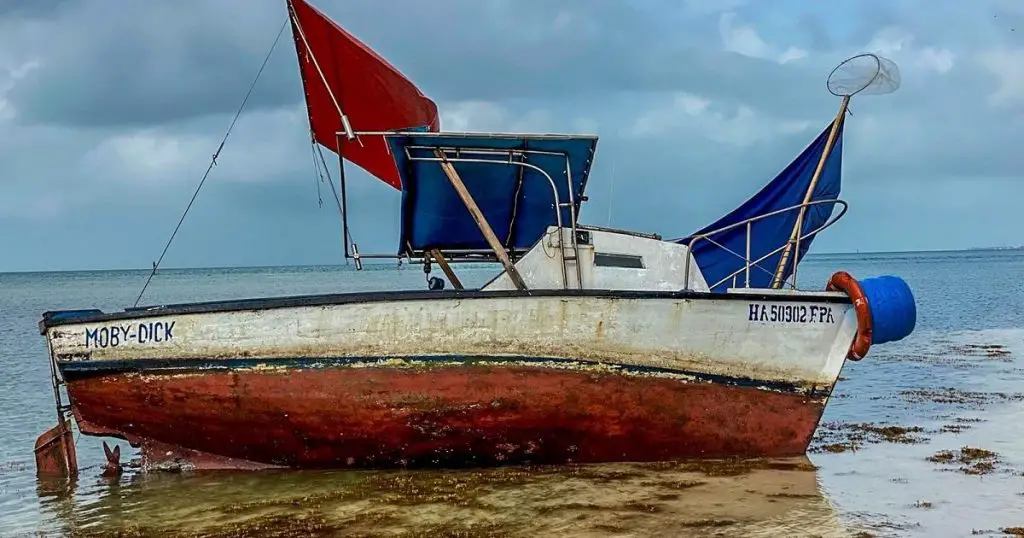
x=320, y=173
x=346, y=237
x=337, y=199
x=213, y=162
x=316, y=166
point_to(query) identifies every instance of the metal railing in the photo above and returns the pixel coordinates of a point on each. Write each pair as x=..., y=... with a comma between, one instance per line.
x=749, y=264
x=458, y=155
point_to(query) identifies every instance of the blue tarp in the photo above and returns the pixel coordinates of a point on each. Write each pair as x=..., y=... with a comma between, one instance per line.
x=517, y=201
x=786, y=190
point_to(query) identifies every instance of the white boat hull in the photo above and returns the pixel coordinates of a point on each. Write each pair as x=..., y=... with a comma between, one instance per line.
x=405, y=378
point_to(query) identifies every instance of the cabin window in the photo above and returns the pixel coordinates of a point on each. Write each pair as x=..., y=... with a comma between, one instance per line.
x=625, y=261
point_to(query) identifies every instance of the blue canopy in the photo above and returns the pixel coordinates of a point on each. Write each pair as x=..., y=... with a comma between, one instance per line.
x=786, y=190
x=517, y=201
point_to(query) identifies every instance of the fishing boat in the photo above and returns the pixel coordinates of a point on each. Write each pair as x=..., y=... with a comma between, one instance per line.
x=589, y=344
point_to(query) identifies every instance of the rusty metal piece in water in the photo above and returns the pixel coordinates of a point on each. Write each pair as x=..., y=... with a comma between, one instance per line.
x=55, y=452
x=113, y=465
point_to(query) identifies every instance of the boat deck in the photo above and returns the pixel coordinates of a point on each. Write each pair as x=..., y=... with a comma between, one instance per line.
x=66, y=317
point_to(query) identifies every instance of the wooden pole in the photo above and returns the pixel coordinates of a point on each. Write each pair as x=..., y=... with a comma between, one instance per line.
x=436, y=254
x=349, y=133
x=481, y=222
x=794, y=236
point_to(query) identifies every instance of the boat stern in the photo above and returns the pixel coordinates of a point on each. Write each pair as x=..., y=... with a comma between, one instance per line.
x=55, y=449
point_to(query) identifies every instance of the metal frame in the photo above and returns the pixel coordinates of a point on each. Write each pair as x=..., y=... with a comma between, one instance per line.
x=748, y=264
x=453, y=256
x=345, y=123
x=474, y=134
x=469, y=154
x=346, y=237
x=510, y=161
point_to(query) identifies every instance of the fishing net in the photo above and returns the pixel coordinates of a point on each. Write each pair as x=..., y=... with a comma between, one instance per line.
x=869, y=74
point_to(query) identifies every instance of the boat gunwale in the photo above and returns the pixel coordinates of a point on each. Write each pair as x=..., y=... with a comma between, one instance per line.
x=77, y=370
x=332, y=299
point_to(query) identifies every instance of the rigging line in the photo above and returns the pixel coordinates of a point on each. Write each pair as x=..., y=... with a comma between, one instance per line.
x=346, y=236
x=213, y=162
x=319, y=174
x=315, y=151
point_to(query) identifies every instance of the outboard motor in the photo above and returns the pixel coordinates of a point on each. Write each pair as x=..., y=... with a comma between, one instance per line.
x=433, y=283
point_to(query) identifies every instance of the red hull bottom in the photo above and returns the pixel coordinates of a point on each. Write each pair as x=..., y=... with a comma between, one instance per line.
x=442, y=416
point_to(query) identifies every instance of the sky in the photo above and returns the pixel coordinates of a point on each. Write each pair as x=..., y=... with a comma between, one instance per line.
x=110, y=112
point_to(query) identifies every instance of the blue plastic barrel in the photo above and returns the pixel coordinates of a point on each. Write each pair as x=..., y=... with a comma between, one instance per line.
x=892, y=306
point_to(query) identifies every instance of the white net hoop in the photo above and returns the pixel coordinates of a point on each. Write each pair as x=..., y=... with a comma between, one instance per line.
x=868, y=73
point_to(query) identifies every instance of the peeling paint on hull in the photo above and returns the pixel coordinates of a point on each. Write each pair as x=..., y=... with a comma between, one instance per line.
x=452, y=416
x=464, y=379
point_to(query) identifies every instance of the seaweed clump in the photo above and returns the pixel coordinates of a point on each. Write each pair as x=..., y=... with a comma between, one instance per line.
x=278, y=526
x=982, y=350
x=837, y=437
x=708, y=467
x=950, y=395
x=974, y=461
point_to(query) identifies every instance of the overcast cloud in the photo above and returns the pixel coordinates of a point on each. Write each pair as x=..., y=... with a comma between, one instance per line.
x=110, y=111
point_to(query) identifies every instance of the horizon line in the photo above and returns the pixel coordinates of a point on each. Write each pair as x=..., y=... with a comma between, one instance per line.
x=383, y=263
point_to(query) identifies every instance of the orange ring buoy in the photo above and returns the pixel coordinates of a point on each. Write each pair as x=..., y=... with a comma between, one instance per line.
x=844, y=282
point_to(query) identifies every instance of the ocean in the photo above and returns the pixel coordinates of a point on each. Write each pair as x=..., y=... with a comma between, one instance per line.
x=921, y=438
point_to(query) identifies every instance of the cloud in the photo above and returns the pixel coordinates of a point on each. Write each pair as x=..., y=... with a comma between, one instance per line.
x=139, y=64
x=1008, y=66
x=712, y=6
x=897, y=42
x=696, y=116
x=484, y=116
x=9, y=77
x=16, y=10
x=264, y=141
x=32, y=208
x=110, y=113
x=744, y=39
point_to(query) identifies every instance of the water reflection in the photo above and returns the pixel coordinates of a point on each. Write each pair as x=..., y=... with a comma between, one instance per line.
x=57, y=497
x=732, y=498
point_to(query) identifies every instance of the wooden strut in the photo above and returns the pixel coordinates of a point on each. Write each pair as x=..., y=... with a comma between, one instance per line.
x=794, y=236
x=481, y=222
x=436, y=254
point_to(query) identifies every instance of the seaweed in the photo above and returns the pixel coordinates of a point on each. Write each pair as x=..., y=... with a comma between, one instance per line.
x=975, y=461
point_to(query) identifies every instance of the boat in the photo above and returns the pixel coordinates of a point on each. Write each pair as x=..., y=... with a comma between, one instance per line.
x=589, y=344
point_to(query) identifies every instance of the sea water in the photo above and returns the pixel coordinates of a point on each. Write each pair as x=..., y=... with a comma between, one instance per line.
x=894, y=455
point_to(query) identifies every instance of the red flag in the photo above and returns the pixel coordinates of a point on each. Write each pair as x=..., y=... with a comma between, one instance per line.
x=339, y=71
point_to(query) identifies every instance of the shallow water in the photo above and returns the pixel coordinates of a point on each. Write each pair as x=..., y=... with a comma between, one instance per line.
x=947, y=383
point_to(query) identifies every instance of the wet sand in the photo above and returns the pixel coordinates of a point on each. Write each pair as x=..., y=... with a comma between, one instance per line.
x=726, y=498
